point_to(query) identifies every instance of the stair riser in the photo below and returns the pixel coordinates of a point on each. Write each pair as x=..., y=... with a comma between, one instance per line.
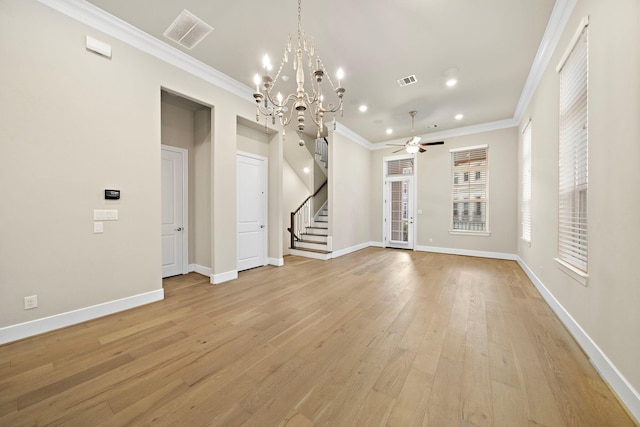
x=309, y=245
x=324, y=218
x=318, y=231
x=320, y=224
x=316, y=238
x=310, y=254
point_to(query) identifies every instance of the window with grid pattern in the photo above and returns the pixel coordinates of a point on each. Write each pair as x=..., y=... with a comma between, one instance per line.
x=525, y=206
x=470, y=192
x=573, y=155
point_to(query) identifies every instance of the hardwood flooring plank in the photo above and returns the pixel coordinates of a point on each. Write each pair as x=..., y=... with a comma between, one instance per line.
x=74, y=380
x=376, y=337
x=411, y=404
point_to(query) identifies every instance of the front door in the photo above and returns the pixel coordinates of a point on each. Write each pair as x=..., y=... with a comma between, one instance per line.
x=252, y=211
x=173, y=221
x=399, y=212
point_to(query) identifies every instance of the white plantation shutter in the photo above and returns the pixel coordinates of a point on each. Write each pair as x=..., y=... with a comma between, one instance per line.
x=525, y=207
x=469, y=193
x=574, y=154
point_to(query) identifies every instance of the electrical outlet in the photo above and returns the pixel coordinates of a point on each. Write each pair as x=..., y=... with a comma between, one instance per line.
x=30, y=302
x=430, y=239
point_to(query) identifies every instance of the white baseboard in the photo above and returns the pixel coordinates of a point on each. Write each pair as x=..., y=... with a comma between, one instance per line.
x=216, y=279
x=467, y=252
x=205, y=271
x=346, y=251
x=47, y=324
x=376, y=244
x=607, y=370
x=278, y=262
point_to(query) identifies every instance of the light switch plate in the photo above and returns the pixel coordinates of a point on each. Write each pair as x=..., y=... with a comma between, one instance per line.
x=30, y=302
x=98, y=227
x=105, y=214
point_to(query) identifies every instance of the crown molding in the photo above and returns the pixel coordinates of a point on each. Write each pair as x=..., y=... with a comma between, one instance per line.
x=451, y=133
x=97, y=18
x=555, y=27
x=357, y=138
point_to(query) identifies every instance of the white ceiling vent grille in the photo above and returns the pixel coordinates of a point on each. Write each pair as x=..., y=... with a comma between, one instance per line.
x=409, y=80
x=188, y=30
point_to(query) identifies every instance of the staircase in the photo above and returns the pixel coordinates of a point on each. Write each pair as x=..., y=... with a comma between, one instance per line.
x=312, y=241
x=309, y=233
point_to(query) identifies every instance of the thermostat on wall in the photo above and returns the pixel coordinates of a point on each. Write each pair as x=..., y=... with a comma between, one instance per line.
x=112, y=194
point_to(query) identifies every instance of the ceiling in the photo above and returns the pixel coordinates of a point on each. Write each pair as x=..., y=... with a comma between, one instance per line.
x=488, y=46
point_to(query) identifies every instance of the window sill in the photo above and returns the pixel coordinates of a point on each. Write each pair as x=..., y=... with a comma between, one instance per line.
x=469, y=233
x=577, y=275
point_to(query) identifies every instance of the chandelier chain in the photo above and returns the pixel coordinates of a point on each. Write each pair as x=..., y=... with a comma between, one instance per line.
x=299, y=21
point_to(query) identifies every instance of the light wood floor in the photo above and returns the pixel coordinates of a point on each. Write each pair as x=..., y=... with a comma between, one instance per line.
x=378, y=337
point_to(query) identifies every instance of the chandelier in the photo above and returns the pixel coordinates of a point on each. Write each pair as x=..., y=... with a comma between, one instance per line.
x=300, y=101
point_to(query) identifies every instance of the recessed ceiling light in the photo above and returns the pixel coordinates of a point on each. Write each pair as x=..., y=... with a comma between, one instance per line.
x=459, y=116
x=363, y=108
x=389, y=131
x=451, y=82
x=305, y=170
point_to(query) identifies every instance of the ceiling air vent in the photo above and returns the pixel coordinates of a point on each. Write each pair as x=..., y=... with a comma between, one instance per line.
x=188, y=30
x=409, y=80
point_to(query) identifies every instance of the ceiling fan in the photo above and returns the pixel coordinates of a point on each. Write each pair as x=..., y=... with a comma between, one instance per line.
x=414, y=145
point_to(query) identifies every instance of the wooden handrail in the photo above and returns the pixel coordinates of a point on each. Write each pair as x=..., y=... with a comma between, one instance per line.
x=292, y=228
x=324, y=184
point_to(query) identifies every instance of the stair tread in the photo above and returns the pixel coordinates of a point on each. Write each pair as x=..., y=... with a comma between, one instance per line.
x=318, y=228
x=311, y=241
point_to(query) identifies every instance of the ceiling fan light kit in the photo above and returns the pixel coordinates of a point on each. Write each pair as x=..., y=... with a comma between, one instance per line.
x=414, y=145
x=300, y=101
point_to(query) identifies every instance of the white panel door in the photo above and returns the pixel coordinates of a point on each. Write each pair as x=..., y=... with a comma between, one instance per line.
x=252, y=208
x=399, y=212
x=172, y=213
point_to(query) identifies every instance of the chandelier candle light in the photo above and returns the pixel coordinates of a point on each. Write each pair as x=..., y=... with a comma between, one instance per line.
x=269, y=106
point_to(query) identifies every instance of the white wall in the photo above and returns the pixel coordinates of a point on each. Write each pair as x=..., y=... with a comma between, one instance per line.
x=349, y=192
x=607, y=308
x=434, y=194
x=73, y=123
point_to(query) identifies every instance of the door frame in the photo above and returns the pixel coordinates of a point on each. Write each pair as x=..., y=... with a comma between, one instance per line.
x=413, y=193
x=265, y=207
x=185, y=202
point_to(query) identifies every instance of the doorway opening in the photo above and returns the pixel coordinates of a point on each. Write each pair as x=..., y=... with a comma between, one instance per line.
x=186, y=215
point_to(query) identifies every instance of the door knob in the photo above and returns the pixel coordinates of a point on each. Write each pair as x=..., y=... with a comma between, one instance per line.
x=262, y=226
x=179, y=229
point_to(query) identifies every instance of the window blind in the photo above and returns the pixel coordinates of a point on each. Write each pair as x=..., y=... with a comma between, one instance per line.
x=469, y=191
x=574, y=155
x=525, y=208
x=400, y=167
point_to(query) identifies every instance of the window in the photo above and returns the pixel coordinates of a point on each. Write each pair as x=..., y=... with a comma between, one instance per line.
x=470, y=196
x=573, y=159
x=525, y=203
x=399, y=167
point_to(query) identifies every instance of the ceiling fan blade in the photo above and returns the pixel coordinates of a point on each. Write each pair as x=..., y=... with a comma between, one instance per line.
x=421, y=150
x=397, y=151
x=394, y=145
x=424, y=144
